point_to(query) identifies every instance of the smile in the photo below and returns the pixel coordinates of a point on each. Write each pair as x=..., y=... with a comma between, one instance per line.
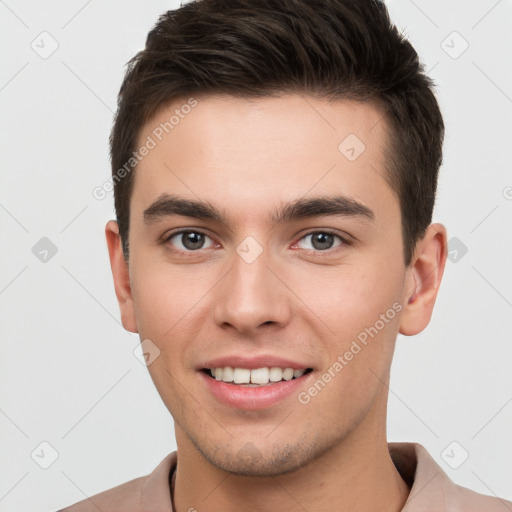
x=255, y=377
x=256, y=388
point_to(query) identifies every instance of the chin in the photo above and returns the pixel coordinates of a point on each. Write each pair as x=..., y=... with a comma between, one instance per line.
x=249, y=460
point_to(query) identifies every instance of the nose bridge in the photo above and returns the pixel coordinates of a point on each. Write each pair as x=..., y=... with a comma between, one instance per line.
x=250, y=294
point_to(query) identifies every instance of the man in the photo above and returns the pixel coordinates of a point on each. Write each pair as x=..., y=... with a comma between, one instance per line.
x=275, y=167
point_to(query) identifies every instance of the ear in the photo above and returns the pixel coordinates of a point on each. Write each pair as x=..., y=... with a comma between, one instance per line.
x=121, y=275
x=423, y=279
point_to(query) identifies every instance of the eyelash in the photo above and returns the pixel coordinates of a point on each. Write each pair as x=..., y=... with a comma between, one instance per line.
x=344, y=241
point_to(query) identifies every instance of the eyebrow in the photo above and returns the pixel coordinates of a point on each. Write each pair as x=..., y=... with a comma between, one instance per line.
x=167, y=205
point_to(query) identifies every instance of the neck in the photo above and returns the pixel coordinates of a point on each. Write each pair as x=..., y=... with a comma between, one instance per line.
x=357, y=474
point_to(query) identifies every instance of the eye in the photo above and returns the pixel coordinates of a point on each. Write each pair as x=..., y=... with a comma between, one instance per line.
x=321, y=241
x=190, y=240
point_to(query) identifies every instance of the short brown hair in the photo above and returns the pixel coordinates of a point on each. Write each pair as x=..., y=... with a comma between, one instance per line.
x=333, y=49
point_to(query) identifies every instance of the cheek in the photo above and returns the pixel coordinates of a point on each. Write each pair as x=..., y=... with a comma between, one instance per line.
x=163, y=299
x=361, y=306
x=372, y=321
x=154, y=304
x=351, y=297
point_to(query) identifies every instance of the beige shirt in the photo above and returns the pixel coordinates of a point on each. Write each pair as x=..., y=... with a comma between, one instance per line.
x=431, y=489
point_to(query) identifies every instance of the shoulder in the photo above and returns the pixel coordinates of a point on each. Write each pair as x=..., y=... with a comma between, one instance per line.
x=432, y=489
x=126, y=497
x=466, y=500
x=150, y=492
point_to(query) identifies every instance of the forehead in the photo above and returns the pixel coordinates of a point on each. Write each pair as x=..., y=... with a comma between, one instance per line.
x=247, y=155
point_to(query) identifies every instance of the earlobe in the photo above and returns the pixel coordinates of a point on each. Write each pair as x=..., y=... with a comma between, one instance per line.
x=121, y=276
x=423, y=280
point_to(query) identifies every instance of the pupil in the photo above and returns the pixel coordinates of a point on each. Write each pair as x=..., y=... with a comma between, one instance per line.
x=322, y=241
x=193, y=240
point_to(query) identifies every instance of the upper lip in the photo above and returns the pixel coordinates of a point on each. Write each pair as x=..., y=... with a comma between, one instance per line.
x=259, y=361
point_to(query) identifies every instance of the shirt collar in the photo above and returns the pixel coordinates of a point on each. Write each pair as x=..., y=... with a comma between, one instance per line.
x=429, y=484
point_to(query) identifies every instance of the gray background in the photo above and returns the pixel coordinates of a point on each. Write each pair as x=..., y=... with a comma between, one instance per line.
x=68, y=373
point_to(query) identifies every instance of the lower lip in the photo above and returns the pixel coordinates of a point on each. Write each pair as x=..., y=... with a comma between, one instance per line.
x=253, y=398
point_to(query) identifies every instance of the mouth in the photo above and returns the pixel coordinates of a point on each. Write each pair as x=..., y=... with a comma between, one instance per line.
x=254, y=389
x=255, y=377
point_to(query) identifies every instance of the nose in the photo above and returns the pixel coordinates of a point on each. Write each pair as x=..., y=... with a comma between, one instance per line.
x=251, y=297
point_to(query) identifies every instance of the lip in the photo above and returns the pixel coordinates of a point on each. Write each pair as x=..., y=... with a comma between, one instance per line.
x=251, y=363
x=253, y=398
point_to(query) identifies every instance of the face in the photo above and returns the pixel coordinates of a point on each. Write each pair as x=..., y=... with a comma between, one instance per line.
x=293, y=260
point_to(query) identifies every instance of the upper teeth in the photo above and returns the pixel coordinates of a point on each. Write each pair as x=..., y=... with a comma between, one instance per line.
x=256, y=376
